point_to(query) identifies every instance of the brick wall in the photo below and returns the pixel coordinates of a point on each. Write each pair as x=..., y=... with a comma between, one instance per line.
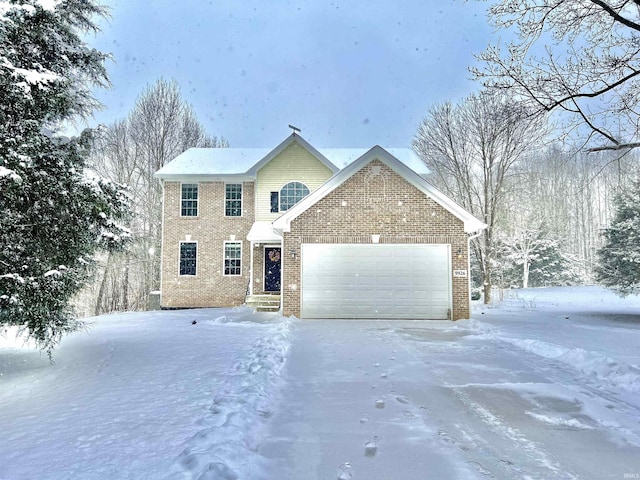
x=375, y=201
x=258, y=269
x=210, y=229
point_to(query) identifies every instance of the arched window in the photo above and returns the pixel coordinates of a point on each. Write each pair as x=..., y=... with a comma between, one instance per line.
x=291, y=194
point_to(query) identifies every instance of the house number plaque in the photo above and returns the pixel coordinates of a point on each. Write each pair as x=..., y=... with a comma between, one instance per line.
x=460, y=273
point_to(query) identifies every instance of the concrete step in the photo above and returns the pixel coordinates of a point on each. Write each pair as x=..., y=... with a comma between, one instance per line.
x=264, y=303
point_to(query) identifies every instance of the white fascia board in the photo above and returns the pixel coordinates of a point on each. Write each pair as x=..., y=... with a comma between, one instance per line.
x=175, y=177
x=471, y=224
x=284, y=144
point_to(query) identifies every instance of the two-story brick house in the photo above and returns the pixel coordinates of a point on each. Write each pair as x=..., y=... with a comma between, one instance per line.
x=330, y=233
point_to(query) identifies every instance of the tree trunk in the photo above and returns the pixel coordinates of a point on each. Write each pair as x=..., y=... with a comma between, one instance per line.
x=487, y=292
x=525, y=273
x=125, y=286
x=486, y=264
x=103, y=284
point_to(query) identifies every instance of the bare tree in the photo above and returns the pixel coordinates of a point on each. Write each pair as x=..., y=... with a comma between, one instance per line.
x=159, y=128
x=581, y=57
x=471, y=149
x=523, y=242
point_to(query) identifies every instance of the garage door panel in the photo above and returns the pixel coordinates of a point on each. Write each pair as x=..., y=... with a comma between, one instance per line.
x=375, y=281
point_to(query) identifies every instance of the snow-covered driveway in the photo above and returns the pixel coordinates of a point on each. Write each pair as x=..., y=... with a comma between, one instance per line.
x=545, y=386
x=539, y=389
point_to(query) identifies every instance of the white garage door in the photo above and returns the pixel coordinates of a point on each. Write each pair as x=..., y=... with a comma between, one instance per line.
x=375, y=281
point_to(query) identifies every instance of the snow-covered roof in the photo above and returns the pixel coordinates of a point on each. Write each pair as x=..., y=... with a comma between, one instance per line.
x=263, y=232
x=213, y=161
x=246, y=161
x=342, y=157
x=471, y=223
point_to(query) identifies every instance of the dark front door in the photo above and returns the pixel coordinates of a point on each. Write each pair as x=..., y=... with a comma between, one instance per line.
x=272, y=269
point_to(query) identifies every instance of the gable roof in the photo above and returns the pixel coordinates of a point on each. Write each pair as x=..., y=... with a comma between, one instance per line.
x=284, y=144
x=471, y=223
x=222, y=162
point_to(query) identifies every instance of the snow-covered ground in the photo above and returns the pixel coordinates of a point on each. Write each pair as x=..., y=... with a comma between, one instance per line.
x=544, y=385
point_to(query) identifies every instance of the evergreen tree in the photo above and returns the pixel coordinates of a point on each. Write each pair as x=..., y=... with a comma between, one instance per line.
x=54, y=213
x=554, y=267
x=619, y=259
x=533, y=258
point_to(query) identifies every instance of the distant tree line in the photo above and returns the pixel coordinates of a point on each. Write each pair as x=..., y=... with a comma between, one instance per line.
x=160, y=127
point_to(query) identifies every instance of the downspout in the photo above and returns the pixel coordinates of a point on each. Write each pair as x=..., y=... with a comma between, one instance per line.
x=252, y=246
x=164, y=207
x=282, y=267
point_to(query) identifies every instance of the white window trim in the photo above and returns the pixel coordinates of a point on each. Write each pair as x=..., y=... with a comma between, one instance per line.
x=179, y=255
x=280, y=194
x=241, y=200
x=224, y=258
x=197, y=201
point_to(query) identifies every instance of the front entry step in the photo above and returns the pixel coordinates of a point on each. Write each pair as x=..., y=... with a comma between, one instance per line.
x=264, y=303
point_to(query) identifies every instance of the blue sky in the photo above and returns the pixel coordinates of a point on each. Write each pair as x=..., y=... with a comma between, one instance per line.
x=349, y=73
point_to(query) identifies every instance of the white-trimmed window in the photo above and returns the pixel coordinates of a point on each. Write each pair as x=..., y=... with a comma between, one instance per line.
x=290, y=194
x=189, y=200
x=188, y=258
x=233, y=258
x=233, y=200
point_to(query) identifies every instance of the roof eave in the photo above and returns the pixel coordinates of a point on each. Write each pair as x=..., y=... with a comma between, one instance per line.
x=204, y=177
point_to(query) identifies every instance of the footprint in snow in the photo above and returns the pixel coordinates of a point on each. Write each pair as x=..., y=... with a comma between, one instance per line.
x=482, y=470
x=448, y=438
x=344, y=472
x=218, y=471
x=371, y=447
x=402, y=399
x=380, y=404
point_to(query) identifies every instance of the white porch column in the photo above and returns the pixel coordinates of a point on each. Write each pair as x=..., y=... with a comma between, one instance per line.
x=251, y=270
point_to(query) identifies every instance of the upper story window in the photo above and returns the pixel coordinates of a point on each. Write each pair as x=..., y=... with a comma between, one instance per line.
x=189, y=200
x=188, y=258
x=289, y=195
x=275, y=202
x=233, y=200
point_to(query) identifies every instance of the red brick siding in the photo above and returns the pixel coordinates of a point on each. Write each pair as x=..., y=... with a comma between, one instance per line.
x=368, y=204
x=210, y=229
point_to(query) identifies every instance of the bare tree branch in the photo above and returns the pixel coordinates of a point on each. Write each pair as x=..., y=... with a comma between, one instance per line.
x=589, y=68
